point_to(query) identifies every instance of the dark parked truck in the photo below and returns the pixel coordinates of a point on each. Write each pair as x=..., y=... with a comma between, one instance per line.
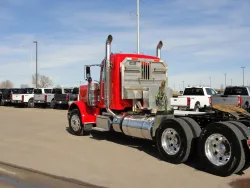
x=41, y=97
x=6, y=96
x=74, y=96
x=234, y=95
x=62, y=96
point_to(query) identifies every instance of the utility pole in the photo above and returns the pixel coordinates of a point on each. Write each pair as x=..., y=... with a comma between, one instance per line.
x=138, y=26
x=225, y=80
x=243, y=74
x=36, y=62
x=210, y=80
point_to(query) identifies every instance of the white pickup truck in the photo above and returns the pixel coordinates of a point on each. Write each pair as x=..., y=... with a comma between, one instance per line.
x=43, y=97
x=193, y=99
x=23, y=96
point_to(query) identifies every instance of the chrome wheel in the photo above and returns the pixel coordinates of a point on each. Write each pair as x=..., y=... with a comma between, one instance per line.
x=170, y=141
x=218, y=149
x=75, y=122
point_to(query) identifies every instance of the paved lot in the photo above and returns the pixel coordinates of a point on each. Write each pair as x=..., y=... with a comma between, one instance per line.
x=38, y=139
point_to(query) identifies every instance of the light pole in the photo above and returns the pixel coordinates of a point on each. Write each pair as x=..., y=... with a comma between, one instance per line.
x=225, y=80
x=243, y=74
x=36, y=62
x=138, y=26
x=210, y=81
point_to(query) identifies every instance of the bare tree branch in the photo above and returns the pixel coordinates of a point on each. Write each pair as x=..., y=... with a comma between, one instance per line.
x=24, y=86
x=42, y=81
x=6, y=84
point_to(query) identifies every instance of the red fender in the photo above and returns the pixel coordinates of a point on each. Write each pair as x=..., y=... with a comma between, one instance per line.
x=88, y=113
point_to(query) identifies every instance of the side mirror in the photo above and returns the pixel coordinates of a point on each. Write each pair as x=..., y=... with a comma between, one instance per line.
x=88, y=74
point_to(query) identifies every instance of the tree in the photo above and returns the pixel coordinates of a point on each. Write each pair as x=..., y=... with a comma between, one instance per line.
x=24, y=86
x=42, y=81
x=6, y=84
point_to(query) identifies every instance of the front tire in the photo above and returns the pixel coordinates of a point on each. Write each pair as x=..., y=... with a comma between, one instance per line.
x=174, y=139
x=75, y=124
x=221, y=150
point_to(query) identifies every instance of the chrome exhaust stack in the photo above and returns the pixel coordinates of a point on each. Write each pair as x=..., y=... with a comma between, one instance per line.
x=107, y=80
x=158, y=49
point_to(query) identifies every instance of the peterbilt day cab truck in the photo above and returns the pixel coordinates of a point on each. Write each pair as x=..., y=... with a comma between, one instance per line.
x=24, y=97
x=235, y=95
x=42, y=97
x=194, y=99
x=133, y=98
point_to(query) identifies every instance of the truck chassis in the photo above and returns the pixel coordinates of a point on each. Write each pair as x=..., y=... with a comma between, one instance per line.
x=220, y=136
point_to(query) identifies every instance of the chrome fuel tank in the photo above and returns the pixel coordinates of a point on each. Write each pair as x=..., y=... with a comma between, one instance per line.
x=138, y=126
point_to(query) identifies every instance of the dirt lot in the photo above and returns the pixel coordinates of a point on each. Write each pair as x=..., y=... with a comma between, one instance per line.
x=38, y=139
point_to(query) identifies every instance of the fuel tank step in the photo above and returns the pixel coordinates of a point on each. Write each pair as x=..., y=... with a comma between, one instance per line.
x=99, y=129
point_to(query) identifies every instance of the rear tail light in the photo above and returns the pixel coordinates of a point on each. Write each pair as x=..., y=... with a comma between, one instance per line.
x=11, y=96
x=67, y=97
x=188, y=101
x=210, y=100
x=239, y=100
x=22, y=97
x=45, y=97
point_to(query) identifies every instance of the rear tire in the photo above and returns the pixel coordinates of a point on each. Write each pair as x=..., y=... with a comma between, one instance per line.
x=75, y=124
x=220, y=149
x=30, y=103
x=174, y=139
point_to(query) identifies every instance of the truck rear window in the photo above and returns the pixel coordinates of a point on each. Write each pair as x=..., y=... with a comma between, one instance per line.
x=67, y=90
x=193, y=91
x=38, y=91
x=57, y=91
x=15, y=91
x=7, y=91
x=210, y=91
x=47, y=90
x=75, y=91
x=25, y=91
x=236, y=91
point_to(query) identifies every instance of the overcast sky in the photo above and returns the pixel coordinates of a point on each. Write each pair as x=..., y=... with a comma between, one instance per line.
x=202, y=38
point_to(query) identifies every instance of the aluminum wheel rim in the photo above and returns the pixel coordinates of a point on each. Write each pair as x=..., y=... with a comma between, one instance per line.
x=75, y=123
x=170, y=141
x=218, y=149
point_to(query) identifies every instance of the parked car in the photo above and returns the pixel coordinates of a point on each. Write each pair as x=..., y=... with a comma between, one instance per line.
x=23, y=96
x=193, y=98
x=43, y=97
x=6, y=96
x=237, y=95
x=61, y=97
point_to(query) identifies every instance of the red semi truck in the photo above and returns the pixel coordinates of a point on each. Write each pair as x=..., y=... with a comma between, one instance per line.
x=133, y=98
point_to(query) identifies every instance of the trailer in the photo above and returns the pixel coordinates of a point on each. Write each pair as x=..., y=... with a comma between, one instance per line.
x=132, y=97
